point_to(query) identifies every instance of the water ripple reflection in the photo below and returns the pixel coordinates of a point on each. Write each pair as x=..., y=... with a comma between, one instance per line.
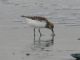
x=43, y=44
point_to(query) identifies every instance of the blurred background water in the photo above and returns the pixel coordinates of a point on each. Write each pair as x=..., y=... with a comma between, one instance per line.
x=16, y=37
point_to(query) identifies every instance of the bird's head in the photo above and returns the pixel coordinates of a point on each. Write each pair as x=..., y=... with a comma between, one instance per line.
x=50, y=26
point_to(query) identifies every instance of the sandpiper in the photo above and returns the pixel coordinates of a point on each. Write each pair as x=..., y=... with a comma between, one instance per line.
x=39, y=22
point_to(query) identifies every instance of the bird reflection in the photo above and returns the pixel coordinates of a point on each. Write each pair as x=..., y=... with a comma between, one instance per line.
x=43, y=43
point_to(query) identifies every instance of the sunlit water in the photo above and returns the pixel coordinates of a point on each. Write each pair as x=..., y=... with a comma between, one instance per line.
x=17, y=38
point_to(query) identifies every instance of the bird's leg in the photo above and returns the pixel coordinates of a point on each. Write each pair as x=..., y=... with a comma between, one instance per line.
x=34, y=34
x=53, y=34
x=39, y=32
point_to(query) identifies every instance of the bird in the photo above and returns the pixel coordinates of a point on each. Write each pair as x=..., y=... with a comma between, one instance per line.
x=39, y=22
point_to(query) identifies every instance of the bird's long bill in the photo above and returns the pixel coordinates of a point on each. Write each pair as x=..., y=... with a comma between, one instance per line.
x=52, y=31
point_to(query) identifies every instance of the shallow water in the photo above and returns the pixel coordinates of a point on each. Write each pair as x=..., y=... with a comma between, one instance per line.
x=17, y=39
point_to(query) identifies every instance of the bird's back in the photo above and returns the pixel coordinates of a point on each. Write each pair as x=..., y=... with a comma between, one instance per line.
x=36, y=18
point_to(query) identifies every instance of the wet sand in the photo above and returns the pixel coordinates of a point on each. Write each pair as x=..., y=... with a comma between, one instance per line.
x=16, y=37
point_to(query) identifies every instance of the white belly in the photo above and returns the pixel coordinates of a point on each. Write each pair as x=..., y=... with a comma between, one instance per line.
x=35, y=23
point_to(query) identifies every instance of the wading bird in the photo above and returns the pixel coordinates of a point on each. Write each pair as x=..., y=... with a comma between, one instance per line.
x=39, y=22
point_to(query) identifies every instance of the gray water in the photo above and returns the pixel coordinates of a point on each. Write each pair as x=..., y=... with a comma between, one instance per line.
x=16, y=37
